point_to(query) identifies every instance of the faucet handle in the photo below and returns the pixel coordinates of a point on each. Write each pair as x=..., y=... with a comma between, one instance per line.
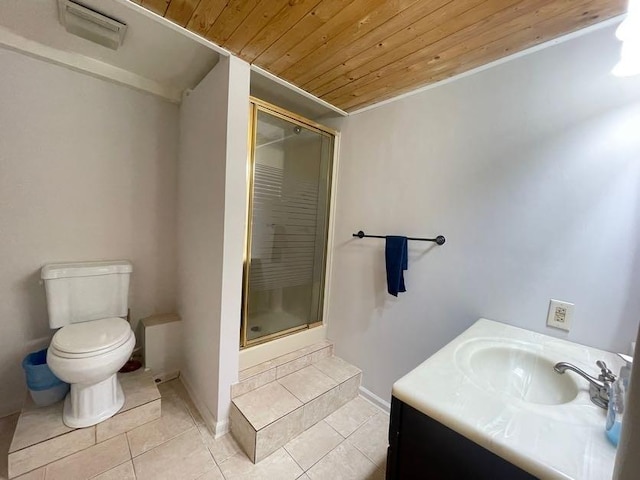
x=606, y=374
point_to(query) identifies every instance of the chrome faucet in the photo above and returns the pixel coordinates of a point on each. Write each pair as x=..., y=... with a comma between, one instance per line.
x=598, y=387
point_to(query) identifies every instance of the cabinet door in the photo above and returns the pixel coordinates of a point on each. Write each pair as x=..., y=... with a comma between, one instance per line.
x=421, y=448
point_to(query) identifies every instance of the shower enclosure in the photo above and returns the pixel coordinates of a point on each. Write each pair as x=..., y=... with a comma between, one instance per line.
x=290, y=166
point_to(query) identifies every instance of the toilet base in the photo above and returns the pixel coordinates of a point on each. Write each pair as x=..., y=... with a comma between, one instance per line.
x=87, y=405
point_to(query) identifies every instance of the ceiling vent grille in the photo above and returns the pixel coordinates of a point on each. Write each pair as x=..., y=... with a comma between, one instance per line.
x=91, y=25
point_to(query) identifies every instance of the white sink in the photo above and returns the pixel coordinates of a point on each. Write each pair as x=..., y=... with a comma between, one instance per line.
x=516, y=369
x=495, y=385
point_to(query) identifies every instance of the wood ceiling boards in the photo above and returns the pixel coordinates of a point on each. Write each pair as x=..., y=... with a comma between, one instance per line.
x=353, y=53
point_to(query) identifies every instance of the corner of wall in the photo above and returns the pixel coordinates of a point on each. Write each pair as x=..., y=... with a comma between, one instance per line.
x=217, y=428
x=235, y=212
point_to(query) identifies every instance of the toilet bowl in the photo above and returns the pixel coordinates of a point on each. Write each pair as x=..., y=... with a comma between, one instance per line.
x=88, y=356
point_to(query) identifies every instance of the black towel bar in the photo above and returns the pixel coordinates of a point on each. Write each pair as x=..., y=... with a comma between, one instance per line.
x=439, y=239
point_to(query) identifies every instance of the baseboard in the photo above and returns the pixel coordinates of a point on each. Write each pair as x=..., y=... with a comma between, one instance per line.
x=376, y=400
x=217, y=428
x=222, y=427
x=5, y=415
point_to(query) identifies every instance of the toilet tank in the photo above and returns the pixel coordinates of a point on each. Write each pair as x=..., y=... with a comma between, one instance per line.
x=80, y=292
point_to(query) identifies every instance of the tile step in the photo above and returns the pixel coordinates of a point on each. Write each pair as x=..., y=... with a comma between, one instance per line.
x=266, y=418
x=41, y=438
x=263, y=373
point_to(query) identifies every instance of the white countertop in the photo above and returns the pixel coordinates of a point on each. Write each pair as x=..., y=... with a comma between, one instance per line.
x=565, y=441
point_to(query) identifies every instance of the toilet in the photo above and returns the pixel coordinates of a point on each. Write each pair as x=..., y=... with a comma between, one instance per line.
x=86, y=302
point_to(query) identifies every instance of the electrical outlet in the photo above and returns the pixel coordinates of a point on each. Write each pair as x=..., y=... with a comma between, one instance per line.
x=560, y=314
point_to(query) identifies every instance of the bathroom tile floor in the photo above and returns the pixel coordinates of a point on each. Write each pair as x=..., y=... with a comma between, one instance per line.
x=349, y=444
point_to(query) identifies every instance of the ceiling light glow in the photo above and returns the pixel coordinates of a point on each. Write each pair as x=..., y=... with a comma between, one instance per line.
x=629, y=33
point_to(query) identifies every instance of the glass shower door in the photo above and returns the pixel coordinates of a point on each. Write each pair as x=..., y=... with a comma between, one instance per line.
x=288, y=222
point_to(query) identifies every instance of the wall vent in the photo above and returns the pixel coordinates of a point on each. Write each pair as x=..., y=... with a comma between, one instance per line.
x=91, y=25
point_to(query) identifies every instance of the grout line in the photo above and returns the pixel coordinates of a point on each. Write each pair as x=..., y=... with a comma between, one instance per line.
x=365, y=455
x=135, y=473
x=293, y=458
x=255, y=447
x=330, y=451
x=126, y=435
x=60, y=458
x=353, y=433
x=249, y=422
x=109, y=469
x=377, y=467
x=356, y=429
x=343, y=439
x=166, y=440
x=333, y=428
x=295, y=396
x=317, y=396
x=51, y=438
x=301, y=407
x=206, y=447
x=276, y=420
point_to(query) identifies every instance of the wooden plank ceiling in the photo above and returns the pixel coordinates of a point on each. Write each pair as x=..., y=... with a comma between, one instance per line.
x=353, y=53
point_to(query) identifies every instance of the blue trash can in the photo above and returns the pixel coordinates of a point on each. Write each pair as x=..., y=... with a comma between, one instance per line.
x=45, y=388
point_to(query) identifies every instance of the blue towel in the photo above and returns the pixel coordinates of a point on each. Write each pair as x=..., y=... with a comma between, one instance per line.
x=395, y=254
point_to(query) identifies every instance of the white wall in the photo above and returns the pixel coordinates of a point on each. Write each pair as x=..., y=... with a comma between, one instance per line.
x=211, y=219
x=87, y=172
x=235, y=214
x=531, y=170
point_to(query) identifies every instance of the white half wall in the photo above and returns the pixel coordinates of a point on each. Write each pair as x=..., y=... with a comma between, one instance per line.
x=531, y=170
x=211, y=221
x=235, y=220
x=87, y=172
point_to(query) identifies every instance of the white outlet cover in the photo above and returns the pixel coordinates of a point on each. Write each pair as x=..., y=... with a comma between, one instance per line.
x=560, y=314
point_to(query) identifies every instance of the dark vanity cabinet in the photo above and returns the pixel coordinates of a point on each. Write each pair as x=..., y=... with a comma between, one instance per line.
x=420, y=448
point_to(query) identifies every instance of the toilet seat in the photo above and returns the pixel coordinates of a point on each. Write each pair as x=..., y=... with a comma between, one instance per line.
x=89, y=339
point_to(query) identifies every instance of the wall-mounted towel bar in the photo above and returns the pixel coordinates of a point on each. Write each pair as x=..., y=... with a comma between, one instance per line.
x=439, y=239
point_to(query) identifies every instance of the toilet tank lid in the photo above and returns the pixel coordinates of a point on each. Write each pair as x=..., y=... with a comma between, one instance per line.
x=85, y=269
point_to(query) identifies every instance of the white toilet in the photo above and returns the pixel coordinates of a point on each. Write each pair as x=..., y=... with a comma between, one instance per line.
x=86, y=302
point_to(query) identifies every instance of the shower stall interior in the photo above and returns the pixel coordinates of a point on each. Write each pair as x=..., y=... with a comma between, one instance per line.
x=290, y=169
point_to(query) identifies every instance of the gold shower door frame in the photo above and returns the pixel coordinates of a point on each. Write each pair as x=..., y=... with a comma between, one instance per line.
x=257, y=105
